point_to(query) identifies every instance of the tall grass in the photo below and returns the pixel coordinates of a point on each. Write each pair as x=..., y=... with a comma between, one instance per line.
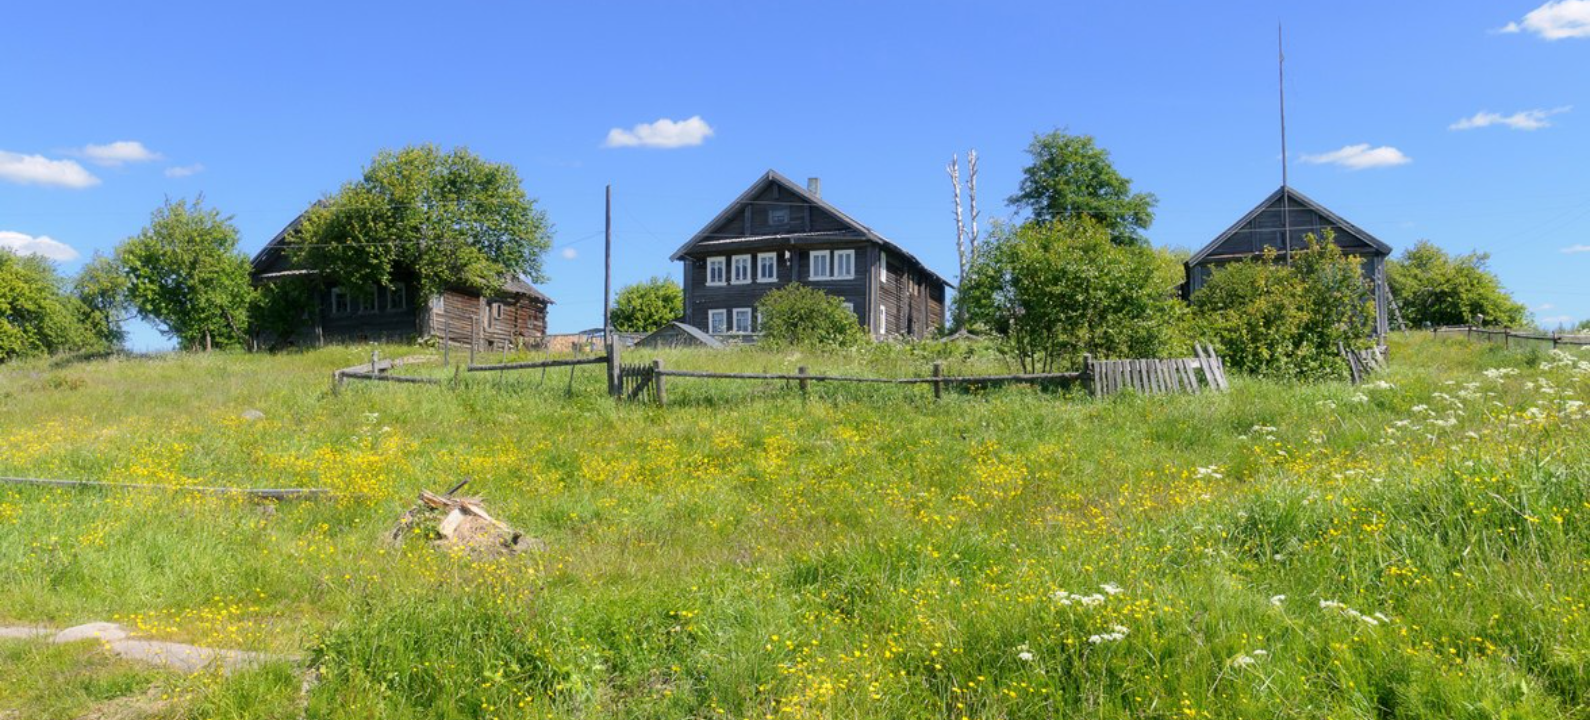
x=1418, y=550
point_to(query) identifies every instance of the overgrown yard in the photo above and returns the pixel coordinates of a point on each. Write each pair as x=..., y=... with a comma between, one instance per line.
x=1415, y=547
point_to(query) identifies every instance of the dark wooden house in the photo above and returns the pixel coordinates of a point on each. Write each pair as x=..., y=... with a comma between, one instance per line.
x=515, y=316
x=1283, y=222
x=777, y=233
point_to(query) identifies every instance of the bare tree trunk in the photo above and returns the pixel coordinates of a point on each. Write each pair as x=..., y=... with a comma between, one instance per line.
x=954, y=170
x=971, y=192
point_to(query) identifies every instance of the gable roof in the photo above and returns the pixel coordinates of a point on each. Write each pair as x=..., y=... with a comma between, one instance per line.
x=694, y=332
x=772, y=177
x=511, y=282
x=1298, y=200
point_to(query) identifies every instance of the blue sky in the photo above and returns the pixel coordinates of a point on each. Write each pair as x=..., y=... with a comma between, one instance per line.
x=264, y=107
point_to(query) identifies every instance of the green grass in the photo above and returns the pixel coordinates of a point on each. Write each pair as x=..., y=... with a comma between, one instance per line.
x=866, y=553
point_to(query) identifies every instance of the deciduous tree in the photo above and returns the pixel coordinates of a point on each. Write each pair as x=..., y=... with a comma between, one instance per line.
x=186, y=276
x=1435, y=288
x=647, y=306
x=1071, y=177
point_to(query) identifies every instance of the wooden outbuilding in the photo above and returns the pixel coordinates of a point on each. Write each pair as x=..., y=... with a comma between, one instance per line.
x=1283, y=222
x=679, y=335
x=515, y=316
x=776, y=233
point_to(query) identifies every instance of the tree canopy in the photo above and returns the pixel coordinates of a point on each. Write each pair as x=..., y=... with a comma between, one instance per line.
x=451, y=218
x=1071, y=177
x=185, y=275
x=647, y=306
x=1285, y=321
x=1055, y=291
x=37, y=315
x=1435, y=288
x=101, y=286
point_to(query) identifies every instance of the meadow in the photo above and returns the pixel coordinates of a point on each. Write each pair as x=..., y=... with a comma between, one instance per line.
x=1415, y=547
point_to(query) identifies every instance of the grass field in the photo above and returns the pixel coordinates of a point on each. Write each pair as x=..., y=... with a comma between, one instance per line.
x=1414, y=548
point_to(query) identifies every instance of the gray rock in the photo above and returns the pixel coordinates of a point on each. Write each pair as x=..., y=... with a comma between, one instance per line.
x=24, y=633
x=103, y=631
x=251, y=414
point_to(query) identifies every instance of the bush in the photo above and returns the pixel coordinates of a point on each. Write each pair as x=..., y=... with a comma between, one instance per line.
x=37, y=316
x=1056, y=291
x=800, y=316
x=1285, y=321
x=646, y=306
x=1433, y=288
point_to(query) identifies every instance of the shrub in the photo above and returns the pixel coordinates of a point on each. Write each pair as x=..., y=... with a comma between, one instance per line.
x=797, y=315
x=36, y=315
x=1433, y=288
x=1056, y=291
x=646, y=306
x=1285, y=321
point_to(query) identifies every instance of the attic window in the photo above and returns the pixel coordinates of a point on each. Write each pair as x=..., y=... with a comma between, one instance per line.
x=778, y=215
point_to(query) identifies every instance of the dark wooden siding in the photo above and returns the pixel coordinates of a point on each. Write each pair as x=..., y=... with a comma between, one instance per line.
x=794, y=265
x=460, y=316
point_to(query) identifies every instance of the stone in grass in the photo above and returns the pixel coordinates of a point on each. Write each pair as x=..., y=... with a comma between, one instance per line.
x=102, y=631
x=251, y=415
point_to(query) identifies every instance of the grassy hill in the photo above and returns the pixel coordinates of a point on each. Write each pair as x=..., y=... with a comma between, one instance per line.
x=1417, y=548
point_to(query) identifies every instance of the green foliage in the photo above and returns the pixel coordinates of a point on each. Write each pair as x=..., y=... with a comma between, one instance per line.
x=101, y=286
x=1070, y=177
x=1583, y=326
x=800, y=316
x=37, y=316
x=281, y=307
x=1434, y=288
x=185, y=274
x=452, y=218
x=1056, y=291
x=1285, y=321
x=646, y=306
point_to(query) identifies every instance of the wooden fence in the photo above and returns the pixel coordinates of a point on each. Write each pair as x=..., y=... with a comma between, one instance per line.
x=1363, y=363
x=1509, y=337
x=381, y=370
x=1159, y=375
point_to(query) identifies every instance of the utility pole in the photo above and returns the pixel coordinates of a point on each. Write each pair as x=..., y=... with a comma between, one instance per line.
x=1286, y=192
x=607, y=270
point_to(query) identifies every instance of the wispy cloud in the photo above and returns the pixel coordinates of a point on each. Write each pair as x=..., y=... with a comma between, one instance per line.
x=569, y=253
x=40, y=170
x=1360, y=157
x=42, y=245
x=664, y=133
x=1521, y=120
x=1555, y=320
x=1555, y=20
x=1575, y=249
x=117, y=153
x=182, y=171
x=1543, y=307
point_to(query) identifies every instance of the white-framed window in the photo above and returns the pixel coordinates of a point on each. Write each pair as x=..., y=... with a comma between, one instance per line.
x=742, y=320
x=339, y=302
x=397, y=297
x=851, y=308
x=883, y=268
x=717, y=321
x=716, y=274
x=367, y=302
x=778, y=215
x=821, y=265
x=767, y=267
x=844, y=264
x=883, y=319
x=740, y=270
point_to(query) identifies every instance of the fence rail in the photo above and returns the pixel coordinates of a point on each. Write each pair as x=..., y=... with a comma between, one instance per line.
x=1159, y=375
x=1507, y=335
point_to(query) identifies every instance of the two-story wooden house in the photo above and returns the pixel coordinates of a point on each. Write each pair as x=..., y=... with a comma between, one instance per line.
x=514, y=317
x=777, y=233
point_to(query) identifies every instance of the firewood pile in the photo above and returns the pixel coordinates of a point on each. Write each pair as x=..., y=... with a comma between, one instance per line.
x=452, y=522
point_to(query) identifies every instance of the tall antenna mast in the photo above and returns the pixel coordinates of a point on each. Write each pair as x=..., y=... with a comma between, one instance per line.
x=1286, y=193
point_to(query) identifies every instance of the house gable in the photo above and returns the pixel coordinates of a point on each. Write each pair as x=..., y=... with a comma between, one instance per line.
x=1286, y=213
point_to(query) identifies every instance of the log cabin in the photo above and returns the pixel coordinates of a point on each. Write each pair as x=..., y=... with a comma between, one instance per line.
x=513, y=317
x=1283, y=221
x=776, y=233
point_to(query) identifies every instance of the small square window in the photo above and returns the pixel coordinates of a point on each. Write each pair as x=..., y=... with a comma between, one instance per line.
x=741, y=270
x=339, y=302
x=716, y=274
x=397, y=297
x=717, y=322
x=767, y=267
x=742, y=320
x=778, y=215
x=367, y=302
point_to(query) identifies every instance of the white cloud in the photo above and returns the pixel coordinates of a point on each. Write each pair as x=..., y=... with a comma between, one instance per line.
x=569, y=253
x=1555, y=320
x=118, y=153
x=182, y=171
x=1543, y=307
x=1360, y=157
x=40, y=170
x=42, y=245
x=1521, y=120
x=1555, y=20
x=664, y=133
x=1573, y=249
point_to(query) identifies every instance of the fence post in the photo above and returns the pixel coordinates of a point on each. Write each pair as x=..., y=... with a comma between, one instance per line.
x=803, y=381
x=657, y=381
x=375, y=355
x=1507, y=337
x=474, y=338
x=615, y=373
x=1087, y=372
x=938, y=385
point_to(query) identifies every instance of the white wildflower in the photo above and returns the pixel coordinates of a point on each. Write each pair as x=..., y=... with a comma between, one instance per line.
x=1111, y=588
x=1277, y=600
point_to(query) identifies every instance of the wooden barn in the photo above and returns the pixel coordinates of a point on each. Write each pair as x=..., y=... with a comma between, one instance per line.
x=776, y=233
x=1283, y=221
x=513, y=317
